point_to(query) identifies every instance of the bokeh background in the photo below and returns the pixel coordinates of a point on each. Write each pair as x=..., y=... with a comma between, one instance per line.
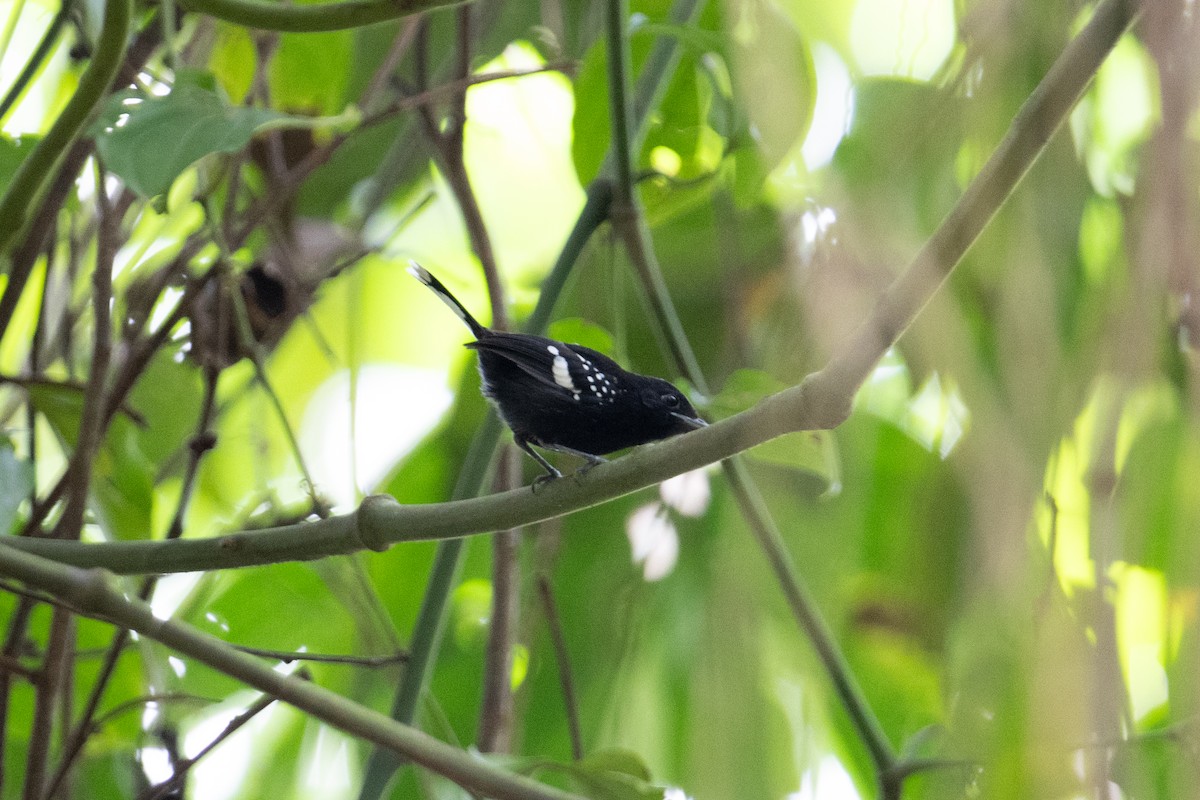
x=1002, y=536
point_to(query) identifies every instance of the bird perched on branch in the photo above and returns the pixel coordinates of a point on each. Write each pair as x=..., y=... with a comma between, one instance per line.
x=566, y=397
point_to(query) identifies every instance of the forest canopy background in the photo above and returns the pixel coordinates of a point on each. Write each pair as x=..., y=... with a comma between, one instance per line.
x=929, y=265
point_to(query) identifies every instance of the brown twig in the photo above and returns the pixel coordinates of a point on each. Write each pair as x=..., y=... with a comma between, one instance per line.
x=93, y=421
x=288, y=656
x=14, y=641
x=10, y=664
x=182, y=768
x=496, y=705
x=456, y=87
x=400, y=45
x=495, y=716
x=566, y=678
x=46, y=697
x=85, y=726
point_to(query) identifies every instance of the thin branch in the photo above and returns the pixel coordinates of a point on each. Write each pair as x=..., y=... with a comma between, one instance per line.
x=10, y=664
x=26, y=254
x=561, y=655
x=150, y=699
x=79, y=734
x=383, y=75
x=40, y=53
x=27, y=184
x=182, y=768
x=201, y=442
x=14, y=640
x=312, y=18
x=496, y=707
x=93, y=421
x=45, y=699
x=38, y=381
x=90, y=590
x=288, y=656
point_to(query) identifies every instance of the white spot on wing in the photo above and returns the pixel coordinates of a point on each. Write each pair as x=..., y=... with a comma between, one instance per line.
x=553, y=350
x=562, y=374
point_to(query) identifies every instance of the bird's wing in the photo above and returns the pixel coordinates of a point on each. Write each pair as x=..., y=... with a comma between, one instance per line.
x=570, y=369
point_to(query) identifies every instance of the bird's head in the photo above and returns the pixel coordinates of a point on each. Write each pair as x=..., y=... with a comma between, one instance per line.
x=667, y=408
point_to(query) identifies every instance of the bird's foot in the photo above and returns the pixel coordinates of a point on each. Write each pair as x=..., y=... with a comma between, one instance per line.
x=547, y=478
x=592, y=462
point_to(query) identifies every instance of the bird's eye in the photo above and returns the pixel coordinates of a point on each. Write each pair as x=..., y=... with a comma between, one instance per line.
x=670, y=400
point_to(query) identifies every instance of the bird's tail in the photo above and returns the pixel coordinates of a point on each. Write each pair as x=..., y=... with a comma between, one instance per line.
x=422, y=274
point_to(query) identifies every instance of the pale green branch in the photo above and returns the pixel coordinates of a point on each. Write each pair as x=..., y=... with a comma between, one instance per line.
x=89, y=593
x=315, y=18
x=380, y=521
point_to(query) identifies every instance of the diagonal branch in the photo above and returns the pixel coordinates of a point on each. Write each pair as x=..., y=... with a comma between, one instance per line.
x=90, y=594
x=629, y=220
x=27, y=185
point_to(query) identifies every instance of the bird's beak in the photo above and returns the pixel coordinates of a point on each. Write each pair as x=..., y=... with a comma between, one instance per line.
x=691, y=422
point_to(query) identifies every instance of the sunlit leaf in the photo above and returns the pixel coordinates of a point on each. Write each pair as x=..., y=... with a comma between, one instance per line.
x=613, y=775
x=576, y=330
x=160, y=137
x=123, y=484
x=62, y=406
x=620, y=761
x=771, y=61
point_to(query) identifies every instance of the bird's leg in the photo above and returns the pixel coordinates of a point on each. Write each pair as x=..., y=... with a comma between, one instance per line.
x=551, y=472
x=591, y=459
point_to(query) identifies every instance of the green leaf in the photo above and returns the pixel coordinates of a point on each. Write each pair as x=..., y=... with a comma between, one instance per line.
x=591, y=123
x=62, y=407
x=122, y=475
x=309, y=71
x=575, y=330
x=16, y=482
x=148, y=142
x=774, y=77
x=614, y=775
x=625, y=762
x=742, y=390
x=123, y=484
x=12, y=153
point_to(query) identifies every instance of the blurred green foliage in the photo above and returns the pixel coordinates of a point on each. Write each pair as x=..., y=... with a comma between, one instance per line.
x=1003, y=536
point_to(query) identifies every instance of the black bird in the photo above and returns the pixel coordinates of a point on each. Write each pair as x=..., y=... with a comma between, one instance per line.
x=566, y=397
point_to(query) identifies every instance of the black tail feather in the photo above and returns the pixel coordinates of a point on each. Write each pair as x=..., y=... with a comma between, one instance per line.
x=422, y=274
